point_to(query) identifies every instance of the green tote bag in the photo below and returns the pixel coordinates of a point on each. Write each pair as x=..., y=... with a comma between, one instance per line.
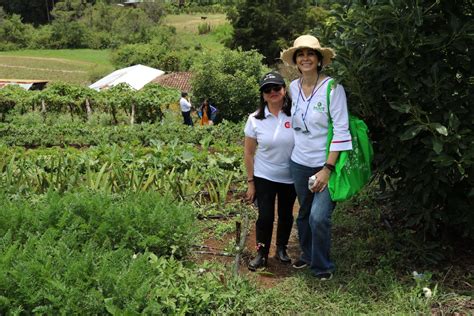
x=353, y=167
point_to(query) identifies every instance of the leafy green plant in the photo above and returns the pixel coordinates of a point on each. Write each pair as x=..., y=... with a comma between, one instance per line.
x=219, y=189
x=204, y=28
x=229, y=79
x=418, y=109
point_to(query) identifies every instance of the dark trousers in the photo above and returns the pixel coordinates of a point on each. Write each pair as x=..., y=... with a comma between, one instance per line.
x=187, y=118
x=266, y=192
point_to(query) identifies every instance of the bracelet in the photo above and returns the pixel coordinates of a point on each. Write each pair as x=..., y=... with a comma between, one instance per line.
x=329, y=166
x=250, y=180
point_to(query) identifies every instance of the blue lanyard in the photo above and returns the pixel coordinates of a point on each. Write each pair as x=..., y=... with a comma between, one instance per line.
x=310, y=98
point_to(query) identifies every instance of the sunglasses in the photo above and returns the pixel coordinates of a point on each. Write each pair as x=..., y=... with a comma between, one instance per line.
x=297, y=128
x=269, y=89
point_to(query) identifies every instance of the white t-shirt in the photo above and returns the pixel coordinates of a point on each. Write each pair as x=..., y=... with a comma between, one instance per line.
x=185, y=105
x=274, y=145
x=310, y=146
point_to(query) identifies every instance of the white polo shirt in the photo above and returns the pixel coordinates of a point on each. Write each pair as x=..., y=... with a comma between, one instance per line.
x=274, y=146
x=310, y=147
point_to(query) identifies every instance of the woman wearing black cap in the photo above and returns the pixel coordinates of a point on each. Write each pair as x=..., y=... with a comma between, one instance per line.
x=268, y=146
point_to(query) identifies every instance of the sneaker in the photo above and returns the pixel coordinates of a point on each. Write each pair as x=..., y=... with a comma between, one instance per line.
x=300, y=264
x=324, y=276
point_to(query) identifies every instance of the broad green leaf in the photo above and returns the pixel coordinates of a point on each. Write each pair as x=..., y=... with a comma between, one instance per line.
x=440, y=129
x=437, y=145
x=411, y=132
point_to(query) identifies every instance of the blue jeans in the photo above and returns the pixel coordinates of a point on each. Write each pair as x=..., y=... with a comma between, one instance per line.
x=313, y=221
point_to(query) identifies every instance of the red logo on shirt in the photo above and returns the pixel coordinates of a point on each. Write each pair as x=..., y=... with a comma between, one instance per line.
x=287, y=124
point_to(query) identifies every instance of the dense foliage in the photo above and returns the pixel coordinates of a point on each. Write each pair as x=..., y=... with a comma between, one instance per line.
x=140, y=106
x=76, y=24
x=229, y=79
x=265, y=25
x=108, y=228
x=96, y=253
x=408, y=69
x=165, y=51
x=34, y=130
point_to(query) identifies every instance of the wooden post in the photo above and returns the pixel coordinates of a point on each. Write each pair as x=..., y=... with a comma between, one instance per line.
x=43, y=110
x=88, y=109
x=132, y=116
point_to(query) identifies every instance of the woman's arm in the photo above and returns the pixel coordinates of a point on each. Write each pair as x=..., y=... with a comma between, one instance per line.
x=250, y=146
x=322, y=176
x=341, y=139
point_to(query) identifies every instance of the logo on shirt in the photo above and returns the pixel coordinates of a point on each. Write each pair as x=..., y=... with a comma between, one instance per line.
x=287, y=124
x=319, y=107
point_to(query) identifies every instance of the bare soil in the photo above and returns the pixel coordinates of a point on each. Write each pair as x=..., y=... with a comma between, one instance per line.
x=275, y=272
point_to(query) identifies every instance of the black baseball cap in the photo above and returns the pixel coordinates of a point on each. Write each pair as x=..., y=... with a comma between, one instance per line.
x=272, y=77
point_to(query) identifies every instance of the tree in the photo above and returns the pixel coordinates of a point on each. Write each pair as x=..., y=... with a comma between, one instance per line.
x=407, y=67
x=15, y=32
x=31, y=11
x=229, y=79
x=267, y=25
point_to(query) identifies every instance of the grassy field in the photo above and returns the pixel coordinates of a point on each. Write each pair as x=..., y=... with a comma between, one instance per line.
x=188, y=23
x=68, y=65
x=80, y=66
x=187, y=29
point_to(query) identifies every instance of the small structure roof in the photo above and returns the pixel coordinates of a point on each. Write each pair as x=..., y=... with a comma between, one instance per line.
x=25, y=83
x=176, y=80
x=136, y=76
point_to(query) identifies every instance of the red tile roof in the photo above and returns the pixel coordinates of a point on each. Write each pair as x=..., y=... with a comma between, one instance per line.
x=176, y=80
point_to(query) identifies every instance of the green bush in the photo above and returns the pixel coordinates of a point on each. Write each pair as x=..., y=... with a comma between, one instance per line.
x=13, y=31
x=204, y=28
x=408, y=69
x=135, y=221
x=164, y=52
x=10, y=97
x=46, y=276
x=230, y=80
x=68, y=34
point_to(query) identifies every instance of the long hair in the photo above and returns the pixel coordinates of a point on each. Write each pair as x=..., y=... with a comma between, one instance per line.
x=261, y=107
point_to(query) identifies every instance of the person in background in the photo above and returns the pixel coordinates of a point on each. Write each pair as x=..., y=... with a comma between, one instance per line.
x=185, y=105
x=267, y=149
x=310, y=117
x=207, y=113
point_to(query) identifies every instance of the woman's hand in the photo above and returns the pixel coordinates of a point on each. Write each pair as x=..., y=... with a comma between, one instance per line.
x=250, y=195
x=322, y=179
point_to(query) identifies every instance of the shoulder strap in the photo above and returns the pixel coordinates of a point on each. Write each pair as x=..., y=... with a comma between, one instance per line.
x=328, y=97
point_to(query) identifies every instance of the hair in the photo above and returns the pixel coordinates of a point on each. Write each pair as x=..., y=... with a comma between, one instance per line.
x=184, y=94
x=208, y=104
x=318, y=53
x=261, y=107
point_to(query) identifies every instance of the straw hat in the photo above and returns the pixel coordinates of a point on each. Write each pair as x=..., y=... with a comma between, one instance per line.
x=307, y=41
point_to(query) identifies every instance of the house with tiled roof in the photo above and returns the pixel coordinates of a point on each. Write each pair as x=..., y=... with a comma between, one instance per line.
x=176, y=80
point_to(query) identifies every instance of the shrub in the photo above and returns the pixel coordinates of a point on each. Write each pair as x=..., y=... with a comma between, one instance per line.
x=407, y=68
x=13, y=31
x=68, y=34
x=204, y=28
x=135, y=221
x=229, y=79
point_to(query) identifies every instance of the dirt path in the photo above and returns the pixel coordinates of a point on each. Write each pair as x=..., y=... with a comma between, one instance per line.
x=276, y=271
x=43, y=69
x=55, y=59
x=273, y=274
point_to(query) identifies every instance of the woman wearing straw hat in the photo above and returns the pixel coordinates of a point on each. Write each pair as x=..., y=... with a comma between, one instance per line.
x=310, y=125
x=268, y=145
